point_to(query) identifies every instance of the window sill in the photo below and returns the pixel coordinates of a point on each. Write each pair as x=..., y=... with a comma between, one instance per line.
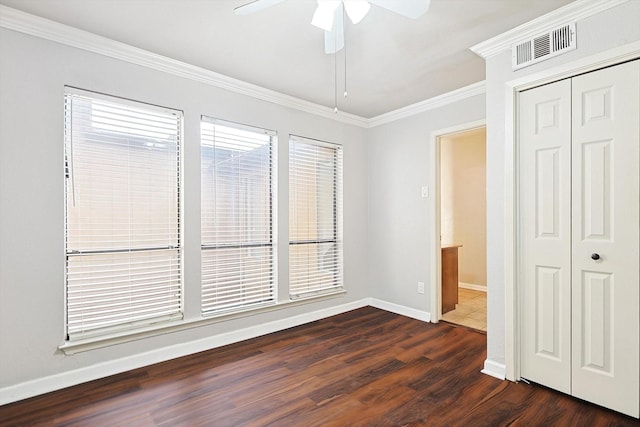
x=93, y=343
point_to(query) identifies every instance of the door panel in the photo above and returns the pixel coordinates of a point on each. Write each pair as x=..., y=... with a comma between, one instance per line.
x=597, y=316
x=545, y=239
x=596, y=187
x=605, y=218
x=548, y=312
x=547, y=170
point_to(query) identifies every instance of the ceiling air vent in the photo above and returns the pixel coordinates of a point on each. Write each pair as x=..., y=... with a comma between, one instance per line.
x=544, y=46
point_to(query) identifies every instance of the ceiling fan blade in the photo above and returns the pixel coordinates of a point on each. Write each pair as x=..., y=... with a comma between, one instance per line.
x=325, y=11
x=334, y=39
x=255, y=6
x=413, y=9
x=356, y=9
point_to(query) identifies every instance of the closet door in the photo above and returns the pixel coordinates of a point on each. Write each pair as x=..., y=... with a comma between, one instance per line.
x=579, y=222
x=544, y=153
x=605, y=236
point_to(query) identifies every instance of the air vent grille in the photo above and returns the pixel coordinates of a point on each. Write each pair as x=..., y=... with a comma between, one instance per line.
x=562, y=37
x=524, y=52
x=544, y=46
x=541, y=46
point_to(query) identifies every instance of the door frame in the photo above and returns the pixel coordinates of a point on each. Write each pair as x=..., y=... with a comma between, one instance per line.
x=436, y=254
x=512, y=89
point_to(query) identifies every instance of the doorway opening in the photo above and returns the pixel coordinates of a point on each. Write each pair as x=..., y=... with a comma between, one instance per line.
x=460, y=212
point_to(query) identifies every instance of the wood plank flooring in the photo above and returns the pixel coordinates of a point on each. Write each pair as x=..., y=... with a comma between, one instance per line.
x=366, y=367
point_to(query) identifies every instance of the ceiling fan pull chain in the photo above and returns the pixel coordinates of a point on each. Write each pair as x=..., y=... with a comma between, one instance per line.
x=335, y=80
x=344, y=36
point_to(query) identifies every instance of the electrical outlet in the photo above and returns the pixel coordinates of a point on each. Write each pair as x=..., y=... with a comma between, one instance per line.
x=421, y=287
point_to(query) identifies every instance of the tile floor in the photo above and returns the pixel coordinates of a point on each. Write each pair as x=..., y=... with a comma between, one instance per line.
x=470, y=311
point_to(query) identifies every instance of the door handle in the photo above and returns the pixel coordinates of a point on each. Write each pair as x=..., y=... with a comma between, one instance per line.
x=595, y=257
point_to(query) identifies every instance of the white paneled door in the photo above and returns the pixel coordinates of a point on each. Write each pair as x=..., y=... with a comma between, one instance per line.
x=579, y=236
x=545, y=168
x=605, y=153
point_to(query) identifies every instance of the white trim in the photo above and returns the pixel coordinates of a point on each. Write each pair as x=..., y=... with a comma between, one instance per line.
x=27, y=389
x=26, y=23
x=434, y=209
x=79, y=346
x=575, y=11
x=400, y=309
x=54, y=382
x=511, y=326
x=16, y=20
x=603, y=59
x=478, y=88
x=472, y=286
x=494, y=369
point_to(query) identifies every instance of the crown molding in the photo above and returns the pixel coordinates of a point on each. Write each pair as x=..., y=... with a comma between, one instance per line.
x=26, y=23
x=474, y=89
x=575, y=11
x=32, y=25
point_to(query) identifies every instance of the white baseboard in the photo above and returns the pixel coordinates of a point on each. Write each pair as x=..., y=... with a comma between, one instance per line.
x=14, y=393
x=472, y=286
x=494, y=369
x=35, y=387
x=400, y=309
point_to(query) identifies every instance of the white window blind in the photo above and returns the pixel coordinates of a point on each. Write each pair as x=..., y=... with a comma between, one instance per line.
x=315, y=217
x=122, y=214
x=237, y=216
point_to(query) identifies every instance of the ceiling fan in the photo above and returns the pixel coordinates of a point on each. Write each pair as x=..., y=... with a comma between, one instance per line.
x=329, y=14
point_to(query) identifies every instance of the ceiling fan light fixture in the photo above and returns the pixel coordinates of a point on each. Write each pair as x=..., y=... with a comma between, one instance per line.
x=323, y=16
x=356, y=9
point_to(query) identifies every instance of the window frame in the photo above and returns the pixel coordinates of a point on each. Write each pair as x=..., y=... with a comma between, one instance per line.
x=337, y=239
x=129, y=327
x=253, y=247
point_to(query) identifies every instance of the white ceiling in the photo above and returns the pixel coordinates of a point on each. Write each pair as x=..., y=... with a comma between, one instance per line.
x=392, y=61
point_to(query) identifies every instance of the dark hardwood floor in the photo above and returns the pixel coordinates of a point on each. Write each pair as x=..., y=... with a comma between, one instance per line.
x=366, y=367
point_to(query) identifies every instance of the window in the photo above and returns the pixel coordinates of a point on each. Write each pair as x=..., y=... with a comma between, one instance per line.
x=122, y=219
x=237, y=216
x=315, y=217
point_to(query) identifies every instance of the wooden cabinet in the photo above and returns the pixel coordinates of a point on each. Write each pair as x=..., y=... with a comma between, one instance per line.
x=449, y=277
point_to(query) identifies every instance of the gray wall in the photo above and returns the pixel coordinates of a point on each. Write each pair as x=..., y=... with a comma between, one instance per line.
x=399, y=218
x=33, y=73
